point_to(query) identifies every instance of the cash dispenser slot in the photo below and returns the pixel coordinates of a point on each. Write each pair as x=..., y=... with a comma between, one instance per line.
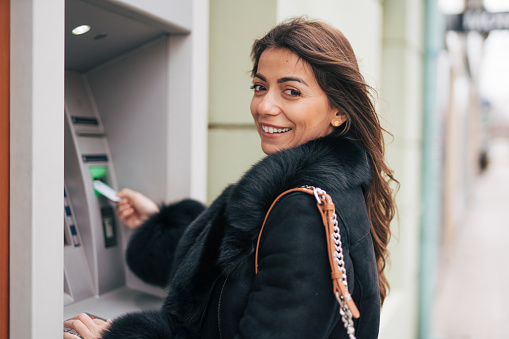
x=84, y=120
x=94, y=158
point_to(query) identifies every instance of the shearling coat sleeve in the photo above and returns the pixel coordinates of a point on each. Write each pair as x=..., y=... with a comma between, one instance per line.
x=291, y=296
x=151, y=248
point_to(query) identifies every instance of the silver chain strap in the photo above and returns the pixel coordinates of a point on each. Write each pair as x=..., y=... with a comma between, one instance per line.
x=344, y=311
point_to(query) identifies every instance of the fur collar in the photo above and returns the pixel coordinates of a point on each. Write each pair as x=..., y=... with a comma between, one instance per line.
x=332, y=163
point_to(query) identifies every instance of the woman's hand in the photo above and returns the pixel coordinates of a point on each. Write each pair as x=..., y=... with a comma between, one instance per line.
x=87, y=327
x=134, y=208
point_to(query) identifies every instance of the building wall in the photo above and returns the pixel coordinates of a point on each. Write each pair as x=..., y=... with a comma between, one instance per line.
x=387, y=39
x=36, y=169
x=402, y=92
x=233, y=141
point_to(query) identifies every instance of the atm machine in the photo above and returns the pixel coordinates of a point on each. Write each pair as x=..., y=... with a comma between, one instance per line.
x=94, y=268
x=117, y=113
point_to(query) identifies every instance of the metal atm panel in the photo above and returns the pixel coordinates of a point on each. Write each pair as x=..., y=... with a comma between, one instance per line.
x=87, y=157
x=95, y=271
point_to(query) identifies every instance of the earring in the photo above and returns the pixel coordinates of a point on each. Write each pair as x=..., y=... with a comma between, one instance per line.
x=336, y=123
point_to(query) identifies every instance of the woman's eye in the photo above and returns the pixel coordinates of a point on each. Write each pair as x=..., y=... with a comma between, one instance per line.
x=292, y=92
x=257, y=88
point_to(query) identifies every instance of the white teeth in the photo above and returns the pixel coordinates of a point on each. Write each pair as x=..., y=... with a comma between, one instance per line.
x=268, y=129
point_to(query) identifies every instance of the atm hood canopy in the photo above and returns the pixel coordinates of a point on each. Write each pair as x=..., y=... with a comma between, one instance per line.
x=114, y=30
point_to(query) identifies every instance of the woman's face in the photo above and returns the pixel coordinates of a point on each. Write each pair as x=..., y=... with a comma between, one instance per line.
x=289, y=107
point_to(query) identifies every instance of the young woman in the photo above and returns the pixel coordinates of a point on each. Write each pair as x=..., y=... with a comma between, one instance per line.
x=318, y=126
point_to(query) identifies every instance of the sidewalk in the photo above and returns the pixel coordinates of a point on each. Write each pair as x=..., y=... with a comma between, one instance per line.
x=472, y=293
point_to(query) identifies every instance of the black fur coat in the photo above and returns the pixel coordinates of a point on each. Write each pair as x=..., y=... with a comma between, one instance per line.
x=206, y=255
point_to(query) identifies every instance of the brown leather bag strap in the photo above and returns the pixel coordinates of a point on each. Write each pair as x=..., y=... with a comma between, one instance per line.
x=327, y=211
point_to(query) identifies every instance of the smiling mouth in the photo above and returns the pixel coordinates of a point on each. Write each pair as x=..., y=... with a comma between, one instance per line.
x=271, y=130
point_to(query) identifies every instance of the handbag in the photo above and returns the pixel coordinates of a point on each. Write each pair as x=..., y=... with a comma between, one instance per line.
x=347, y=308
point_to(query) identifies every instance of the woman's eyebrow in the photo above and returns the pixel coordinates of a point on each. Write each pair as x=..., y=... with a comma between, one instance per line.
x=257, y=75
x=281, y=80
x=286, y=79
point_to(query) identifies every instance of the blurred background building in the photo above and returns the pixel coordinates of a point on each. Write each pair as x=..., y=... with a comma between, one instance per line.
x=440, y=71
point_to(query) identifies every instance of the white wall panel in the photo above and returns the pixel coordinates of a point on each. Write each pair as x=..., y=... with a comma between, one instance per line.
x=36, y=169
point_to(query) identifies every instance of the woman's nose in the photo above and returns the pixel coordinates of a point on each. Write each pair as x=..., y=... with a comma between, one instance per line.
x=269, y=105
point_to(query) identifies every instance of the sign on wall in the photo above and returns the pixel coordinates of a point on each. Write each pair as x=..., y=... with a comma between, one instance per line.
x=480, y=21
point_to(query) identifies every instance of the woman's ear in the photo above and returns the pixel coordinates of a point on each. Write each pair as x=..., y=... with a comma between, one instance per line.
x=338, y=119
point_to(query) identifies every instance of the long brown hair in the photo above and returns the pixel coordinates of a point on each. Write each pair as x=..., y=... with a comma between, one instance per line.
x=335, y=67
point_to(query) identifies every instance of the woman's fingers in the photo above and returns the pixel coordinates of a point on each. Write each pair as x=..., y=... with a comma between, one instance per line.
x=125, y=212
x=99, y=321
x=123, y=204
x=85, y=318
x=134, y=208
x=87, y=327
x=141, y=203
x=102, y=325
x=125, y=193
x=77, y=325
x=129, y=218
